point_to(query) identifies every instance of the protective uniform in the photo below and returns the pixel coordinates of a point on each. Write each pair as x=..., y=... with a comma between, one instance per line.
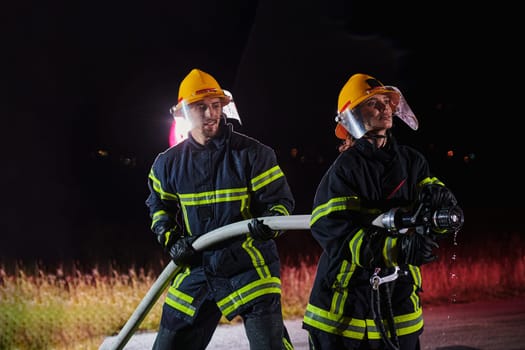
x=198, y=188
x=363, y=182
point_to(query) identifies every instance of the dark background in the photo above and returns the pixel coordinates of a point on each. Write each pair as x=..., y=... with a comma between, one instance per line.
x=89, y=86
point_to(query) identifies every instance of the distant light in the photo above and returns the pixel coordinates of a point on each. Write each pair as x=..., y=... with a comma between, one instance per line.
x=469, y=157
x=179, y=130
x=102, y=153
x=450, y=154
x=128, y=161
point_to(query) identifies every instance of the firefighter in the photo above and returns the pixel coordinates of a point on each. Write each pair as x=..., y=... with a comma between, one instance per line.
x=371, y=176
x=213, y=178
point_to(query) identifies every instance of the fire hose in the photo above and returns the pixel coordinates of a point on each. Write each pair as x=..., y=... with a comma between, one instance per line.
x=292, y=222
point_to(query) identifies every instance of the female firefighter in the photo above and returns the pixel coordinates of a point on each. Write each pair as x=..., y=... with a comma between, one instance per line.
x=366, y=290
x=214, y=178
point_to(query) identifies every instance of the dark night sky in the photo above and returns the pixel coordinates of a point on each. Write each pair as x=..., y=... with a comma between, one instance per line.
x=84, y=77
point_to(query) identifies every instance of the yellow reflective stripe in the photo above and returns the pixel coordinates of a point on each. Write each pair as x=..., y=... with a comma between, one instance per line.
x=217, y=196
x=280, y=209
x=180, y=277
x=415, y=272
x=414, y=298
x=334, y=323
x=186, y=220
x=157, y=216
x=339, y=204
x=355, y=246
x=334, y=204
x=265, y=178
x=179, y=300
x=388, y=251
x=287, y=344
x=355, y=328
x=158, y=187
x=340, y=287
x=257, y=258
x=409, y=323
x=404, y=324
x=212, y=197
x=430, y=180
x=249, y=292
x=372, y=331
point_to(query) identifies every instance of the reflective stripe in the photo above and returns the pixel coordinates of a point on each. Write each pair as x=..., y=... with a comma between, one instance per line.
x=287, y=344
x=409, y=323
x=388, y=251
x=339, y=204
x=334, y=204
x=280, y=209
x=341, y=287
x=158, y=215
x=334, y=323
x=158, y=187
x=180, y=301
x=257, y=258
x=355, y=247
x=248, y=293
x=265, y=178
x=177, y=299
x=430, y=180
x=415, y=272
x=355, y=328
x=211, y=197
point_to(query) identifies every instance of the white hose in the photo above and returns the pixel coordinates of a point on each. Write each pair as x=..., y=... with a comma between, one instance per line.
x=291, y=222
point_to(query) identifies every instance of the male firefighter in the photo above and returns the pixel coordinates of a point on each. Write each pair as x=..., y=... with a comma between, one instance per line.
x=213, y=178
x=366, y=291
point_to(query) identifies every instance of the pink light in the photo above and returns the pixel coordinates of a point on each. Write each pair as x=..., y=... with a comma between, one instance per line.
x=178, y=131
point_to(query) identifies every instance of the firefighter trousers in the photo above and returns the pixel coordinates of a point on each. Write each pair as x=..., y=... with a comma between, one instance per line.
x=263, y=323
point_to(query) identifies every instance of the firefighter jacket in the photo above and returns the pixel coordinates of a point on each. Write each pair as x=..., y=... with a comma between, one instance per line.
x=363, y=182
x=197, y=188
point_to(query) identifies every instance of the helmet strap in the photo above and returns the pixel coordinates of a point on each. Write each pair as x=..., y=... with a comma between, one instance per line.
x=378, y=140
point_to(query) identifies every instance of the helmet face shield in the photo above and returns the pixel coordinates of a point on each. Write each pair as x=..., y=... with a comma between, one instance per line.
x=230, y=110
x=403, y=110
x=182, y=109
x=352, y=122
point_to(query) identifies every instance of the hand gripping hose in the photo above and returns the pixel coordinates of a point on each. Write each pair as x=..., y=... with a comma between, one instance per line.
x=291, y=222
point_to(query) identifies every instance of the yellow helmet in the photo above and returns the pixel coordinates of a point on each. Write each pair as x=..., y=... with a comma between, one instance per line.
x=196, y=86
x=357, y=89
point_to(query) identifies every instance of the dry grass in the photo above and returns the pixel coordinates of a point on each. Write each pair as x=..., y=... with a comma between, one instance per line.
x=69, y=310
x=76, y=309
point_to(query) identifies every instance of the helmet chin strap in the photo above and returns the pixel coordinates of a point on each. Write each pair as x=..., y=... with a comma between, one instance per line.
x=377, y=139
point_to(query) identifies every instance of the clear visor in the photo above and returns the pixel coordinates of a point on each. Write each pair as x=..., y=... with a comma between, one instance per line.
x=403, y=110
x=353, y=123
x=230, y=110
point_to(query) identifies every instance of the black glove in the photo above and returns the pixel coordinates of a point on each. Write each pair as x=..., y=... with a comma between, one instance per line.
x=416, y=249
x=166, y=237
x=437, y=196
x=182, y=252
x=260, y=231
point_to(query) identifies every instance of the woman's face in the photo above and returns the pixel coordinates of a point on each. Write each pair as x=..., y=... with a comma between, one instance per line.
x=376, y=113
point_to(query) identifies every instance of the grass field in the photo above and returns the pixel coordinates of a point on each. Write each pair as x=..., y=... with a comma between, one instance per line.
x=73, y=307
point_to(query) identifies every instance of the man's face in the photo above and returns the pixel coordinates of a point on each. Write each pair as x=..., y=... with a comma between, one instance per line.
x=205, y=116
